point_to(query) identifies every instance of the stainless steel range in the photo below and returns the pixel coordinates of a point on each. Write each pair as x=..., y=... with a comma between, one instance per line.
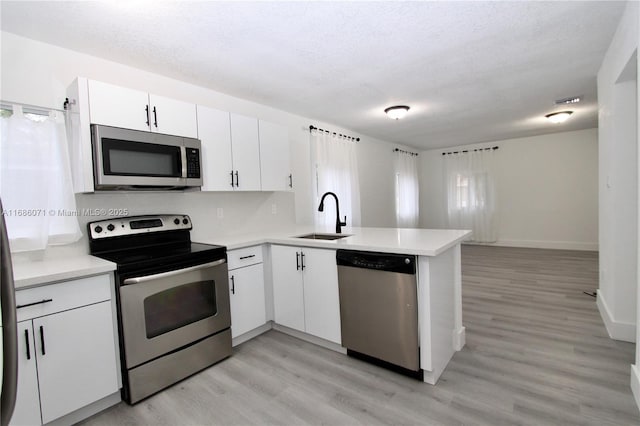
x=172, y=296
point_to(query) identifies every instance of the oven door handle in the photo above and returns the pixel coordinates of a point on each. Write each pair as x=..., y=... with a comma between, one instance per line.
x=138, y=280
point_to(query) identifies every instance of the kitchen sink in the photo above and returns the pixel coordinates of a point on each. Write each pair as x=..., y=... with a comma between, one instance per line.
x=315, y=236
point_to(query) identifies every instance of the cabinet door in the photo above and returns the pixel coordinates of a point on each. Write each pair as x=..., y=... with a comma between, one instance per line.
x=173, y=117
x=274, y=157
x=118, y=106
x=27, y=410
x=214, y=130
x=288, y=293
x=321, y=299
x=77, y=364
x=246, y=290
x=246, y=152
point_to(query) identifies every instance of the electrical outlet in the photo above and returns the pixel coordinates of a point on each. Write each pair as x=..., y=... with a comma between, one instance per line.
x=220, y=213
x=274, y=209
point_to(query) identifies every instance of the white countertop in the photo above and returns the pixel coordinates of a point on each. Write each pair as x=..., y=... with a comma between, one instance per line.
x=31, y=273
x=421, y=242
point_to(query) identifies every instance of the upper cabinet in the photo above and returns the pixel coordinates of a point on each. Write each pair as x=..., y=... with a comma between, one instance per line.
x=241, y=153
x=230, y=151
x=246, y=152
x=116, y=106
x=274, y=157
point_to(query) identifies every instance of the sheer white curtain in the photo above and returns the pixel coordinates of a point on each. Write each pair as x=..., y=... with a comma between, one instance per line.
x=336, y=170
x=35, y=181
x=471, y=197
x=407, y=189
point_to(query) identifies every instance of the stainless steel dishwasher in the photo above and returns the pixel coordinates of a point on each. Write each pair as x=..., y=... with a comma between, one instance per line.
x=379, y=308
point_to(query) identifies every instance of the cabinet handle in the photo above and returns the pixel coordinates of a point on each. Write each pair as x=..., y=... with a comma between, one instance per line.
x=302, y=260
x=237, y=181
x=297, y=261
x=247, y=257
x=231, y=178
x=146, y=110
x=42, y=339
x=34, y=303
x=155, y=117
x=26, y=339
x=233, y=285
x=290, y=180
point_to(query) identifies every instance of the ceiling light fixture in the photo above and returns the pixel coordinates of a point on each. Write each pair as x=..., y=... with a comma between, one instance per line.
x=397, y=112
x=559, y=117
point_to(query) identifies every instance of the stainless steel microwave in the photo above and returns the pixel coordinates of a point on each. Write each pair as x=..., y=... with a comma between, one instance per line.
x=126, y=159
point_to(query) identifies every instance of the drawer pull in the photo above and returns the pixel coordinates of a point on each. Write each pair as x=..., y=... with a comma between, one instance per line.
x=26, y=339
x=247, y=257
x=42, y=339
x=34, y=303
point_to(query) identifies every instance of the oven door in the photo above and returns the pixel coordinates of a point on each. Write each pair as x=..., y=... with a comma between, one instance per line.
x=167, y=311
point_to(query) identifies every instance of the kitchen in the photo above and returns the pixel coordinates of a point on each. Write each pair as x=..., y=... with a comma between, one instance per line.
x=217, y=216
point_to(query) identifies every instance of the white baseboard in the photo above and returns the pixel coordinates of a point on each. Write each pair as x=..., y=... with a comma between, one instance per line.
x=459, y=338
x=88, y=411
x=635, y=383
x=309, y=338
x=617, y=330
x=238, y=340
x=557, y=245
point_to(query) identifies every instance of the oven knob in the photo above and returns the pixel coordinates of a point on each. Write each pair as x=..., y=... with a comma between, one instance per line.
x=110, y=227
x=176, y=221
x=98, y=229
x=185, y=221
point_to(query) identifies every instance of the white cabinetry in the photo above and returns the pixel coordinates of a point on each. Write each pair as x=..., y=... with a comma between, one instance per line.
x=214, y=131
x=274, y=157
x=116, y=106
x=246, y=290
x=245, y=147
x=67, y=349
x=230, y=151
x=305, y=290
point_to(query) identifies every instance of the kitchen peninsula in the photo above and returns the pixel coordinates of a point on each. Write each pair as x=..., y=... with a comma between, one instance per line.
x=441, y=332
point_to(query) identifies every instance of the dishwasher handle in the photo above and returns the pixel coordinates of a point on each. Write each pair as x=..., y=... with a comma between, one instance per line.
x=391, y=262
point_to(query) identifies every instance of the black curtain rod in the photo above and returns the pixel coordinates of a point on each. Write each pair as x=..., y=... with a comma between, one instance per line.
x=465, y=151
x=312, y=128
x=406, y=152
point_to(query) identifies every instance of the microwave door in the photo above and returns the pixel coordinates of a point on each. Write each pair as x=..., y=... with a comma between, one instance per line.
x=127, y=158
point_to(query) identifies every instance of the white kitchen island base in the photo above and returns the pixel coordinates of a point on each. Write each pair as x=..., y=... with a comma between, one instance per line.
x=441, y=333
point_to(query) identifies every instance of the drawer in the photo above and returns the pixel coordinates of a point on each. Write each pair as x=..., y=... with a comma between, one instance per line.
x=244, y=257
x=64, y=296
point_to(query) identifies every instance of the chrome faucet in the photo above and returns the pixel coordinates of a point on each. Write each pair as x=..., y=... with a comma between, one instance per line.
x=339, y=224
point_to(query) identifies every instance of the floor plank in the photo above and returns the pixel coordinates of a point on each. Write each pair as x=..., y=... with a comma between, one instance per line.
x=537, y=353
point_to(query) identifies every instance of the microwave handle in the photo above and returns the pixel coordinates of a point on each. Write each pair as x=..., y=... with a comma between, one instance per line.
x=138, y=280
x=183, y=155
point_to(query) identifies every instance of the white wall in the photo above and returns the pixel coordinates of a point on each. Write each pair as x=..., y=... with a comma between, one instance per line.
x=547, y=192
x=618, y=294
x=38, y=74
x=618, y=180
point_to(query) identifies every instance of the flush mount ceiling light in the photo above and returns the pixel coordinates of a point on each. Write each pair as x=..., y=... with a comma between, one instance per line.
x=559, y=117
x=397, y=112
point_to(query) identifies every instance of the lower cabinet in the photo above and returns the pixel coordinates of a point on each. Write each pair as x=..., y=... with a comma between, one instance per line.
x=67, y=356
x=246, y=290
x=305, y=290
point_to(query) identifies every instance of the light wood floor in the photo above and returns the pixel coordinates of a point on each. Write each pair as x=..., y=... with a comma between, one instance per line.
x=537, y=353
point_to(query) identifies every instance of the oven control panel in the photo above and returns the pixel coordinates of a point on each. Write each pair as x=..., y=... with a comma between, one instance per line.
x=131, y=225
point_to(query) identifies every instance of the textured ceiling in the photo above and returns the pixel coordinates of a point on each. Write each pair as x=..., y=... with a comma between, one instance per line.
x=471, y=71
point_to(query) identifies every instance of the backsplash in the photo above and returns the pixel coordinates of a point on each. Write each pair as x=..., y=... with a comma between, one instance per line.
x=242, y=213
